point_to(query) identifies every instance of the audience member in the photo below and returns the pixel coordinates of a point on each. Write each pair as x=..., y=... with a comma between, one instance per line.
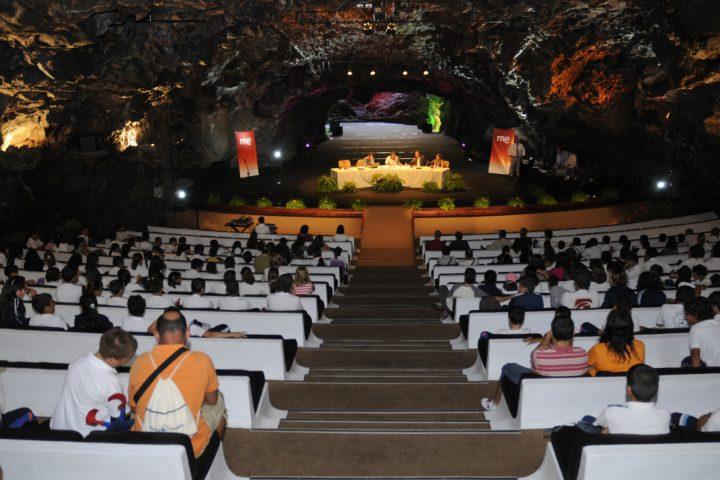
x=617, y=350
x=69, y=291
x=459, y=244
x=281, y=299
x=135, y=321
x=232, y=299
x=302, y=285
x=516, y=320
x=89, y=320
x=527, y=299
x=198, y=298
x=672, y=315
x=436, y=244
x=582, y=297
x=618, y=287
x=501, y=241
x=704, y=334
x=11, y=301
x=44, y=306
x=650, y=290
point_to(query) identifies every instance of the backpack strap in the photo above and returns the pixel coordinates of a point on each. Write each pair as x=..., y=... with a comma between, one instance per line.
x=146, y=384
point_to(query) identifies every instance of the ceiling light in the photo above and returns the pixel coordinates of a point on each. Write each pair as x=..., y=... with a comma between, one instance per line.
x=372, y=73
x=425, y=73
x=349, y=73
x=405, y=73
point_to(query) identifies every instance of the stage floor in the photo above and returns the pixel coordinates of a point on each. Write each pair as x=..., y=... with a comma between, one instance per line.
x=361, y=138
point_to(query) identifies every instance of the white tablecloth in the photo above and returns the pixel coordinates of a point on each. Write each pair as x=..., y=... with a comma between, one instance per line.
x=411, y=177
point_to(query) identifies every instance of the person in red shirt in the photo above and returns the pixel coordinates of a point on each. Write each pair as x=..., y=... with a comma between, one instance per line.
x=554, y=357
x=436, y=244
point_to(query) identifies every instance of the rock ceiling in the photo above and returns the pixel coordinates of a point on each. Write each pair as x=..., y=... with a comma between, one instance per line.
x=582, y=73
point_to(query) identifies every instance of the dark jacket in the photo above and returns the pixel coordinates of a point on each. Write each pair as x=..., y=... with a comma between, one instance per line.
x=615, y=292
x=92, y=322
x=527, y=301
x=13, y=313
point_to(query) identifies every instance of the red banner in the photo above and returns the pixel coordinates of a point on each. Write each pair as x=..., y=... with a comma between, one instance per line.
x=500, y=157
x=246, y=154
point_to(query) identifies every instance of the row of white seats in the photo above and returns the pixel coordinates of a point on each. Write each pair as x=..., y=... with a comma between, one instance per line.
x=662, y=350
x=289, y=325
x=548, y=402
x=265, y=355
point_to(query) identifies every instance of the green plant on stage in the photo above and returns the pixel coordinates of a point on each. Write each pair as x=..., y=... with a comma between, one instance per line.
x=609, y=194
x=349, y=187
x=516, y=202
x=358, y=205
x=295, y=204
x=326, y=203
x=264, y=202
x=580, y=197
x=213, y=199
x=446, y=204
x=431, y=187
x=387, y=183
x=327, y=184
x=454, y=183
x=482, y=202
x=237, y=201
x=413, y=204
x=547, y=199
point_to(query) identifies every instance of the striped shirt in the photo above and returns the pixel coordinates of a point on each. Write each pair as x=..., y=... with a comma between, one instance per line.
x=560, y=361
x=304, y=289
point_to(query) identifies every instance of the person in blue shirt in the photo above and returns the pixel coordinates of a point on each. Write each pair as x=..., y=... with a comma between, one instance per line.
x=526, y=298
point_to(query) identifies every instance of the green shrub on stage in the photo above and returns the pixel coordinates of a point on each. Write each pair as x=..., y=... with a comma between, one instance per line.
x=238, y=201
x=295, y=204
x=431, y=187
x=482, y=202
x=537, y=191
x=413, y=204
x=387, y=183
x=547, y=199
x=358, y=205
x=446, y=204
x=609, y=194
x=349, y=187
x=264, y=202
x=326, y=203
x=213, y=199
x=327, y=184
x=516, y=202
x=580, y=197
x=454, y=183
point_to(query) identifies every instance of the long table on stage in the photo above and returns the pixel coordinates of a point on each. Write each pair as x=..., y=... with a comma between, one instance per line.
x=411, y=177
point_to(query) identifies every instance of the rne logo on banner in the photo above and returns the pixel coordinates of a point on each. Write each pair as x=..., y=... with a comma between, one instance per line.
x=502, y=139
x=245, y=141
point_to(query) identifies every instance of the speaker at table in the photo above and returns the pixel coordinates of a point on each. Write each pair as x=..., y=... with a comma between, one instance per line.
x=344, y=164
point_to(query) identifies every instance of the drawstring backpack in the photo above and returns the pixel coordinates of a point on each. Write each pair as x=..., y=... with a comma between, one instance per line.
x=167, y=410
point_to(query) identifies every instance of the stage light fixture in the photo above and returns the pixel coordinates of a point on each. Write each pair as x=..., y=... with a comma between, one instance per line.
x=425, y=73
x=372, y=73
x=661, y=184
x=391, y=28
x=307, y=145
x=349, y=73
x=368, y=28
x=181, y=194
x=405, y=73
x=277, y=154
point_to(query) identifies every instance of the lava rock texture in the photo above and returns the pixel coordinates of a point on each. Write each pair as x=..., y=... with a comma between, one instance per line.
x=632, y=85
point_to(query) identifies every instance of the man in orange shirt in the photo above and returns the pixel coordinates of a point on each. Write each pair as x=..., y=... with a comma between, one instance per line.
x=192, y=372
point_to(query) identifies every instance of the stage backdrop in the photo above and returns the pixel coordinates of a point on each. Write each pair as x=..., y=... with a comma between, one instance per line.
x=246, y=154
x=499, y=157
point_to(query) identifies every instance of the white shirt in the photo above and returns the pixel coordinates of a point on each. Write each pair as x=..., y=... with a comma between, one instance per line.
x=88, y=385
x=690, y=262
x=254, y=289
x=518, y=331
x=635, y=418
x=705, y=335
x=197, y=301
x=34, y=244
x=340, y=237
x=131, y=323
x=159, y=301
x=712, y=264
x=592, y=253
x=68, y=293
x=282, y=301
x=48, y=320
x=516, y=150
x=233, y=303
x=262, y=229
x=580, y=299
x=390, y=161
x=117, y=302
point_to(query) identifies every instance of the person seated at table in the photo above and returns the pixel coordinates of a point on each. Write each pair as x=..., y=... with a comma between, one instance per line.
x=369, y=160
x=437, y=161
x=418, y=160
x=392, y=160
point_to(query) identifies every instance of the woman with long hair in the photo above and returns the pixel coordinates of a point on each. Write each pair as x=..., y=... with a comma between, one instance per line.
x=301, y=283
x=650, y=290
x=11, y=302
x=248, y=285
x=617, y=350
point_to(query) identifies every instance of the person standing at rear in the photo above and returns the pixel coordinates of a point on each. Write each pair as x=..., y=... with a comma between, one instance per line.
x=194, y=375
x=516, y=152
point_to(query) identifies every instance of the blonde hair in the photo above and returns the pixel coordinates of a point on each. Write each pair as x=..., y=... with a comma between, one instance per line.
x=302, y=276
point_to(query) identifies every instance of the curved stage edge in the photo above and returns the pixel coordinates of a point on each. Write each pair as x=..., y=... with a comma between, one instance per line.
x=426, y=221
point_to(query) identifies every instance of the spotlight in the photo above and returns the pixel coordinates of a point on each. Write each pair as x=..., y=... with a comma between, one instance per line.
x=391, y=28
x=661, y=184
x=349, y=73
x=181, y=194
x=405, y=73
x=372, y=73
x=307, y=145
x=277, y=154
x=425, y=73
x=463, y=145
x=368, y=28
x=667, y=116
